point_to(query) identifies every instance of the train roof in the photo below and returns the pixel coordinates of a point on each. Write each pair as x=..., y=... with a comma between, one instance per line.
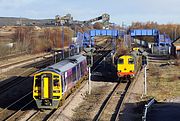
x=66, y=64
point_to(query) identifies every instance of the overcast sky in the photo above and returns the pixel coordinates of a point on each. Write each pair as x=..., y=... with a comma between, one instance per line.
x=127, y=11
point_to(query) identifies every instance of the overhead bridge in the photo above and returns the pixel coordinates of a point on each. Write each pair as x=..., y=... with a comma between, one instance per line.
x=88, y=36
x=159, y=39
x=162, y=42
x=144, y=32
x=105, y=32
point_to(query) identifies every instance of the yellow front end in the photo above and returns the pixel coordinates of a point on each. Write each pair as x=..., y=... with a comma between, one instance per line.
x=125, y=66
x=47, y=89
x=136, y=49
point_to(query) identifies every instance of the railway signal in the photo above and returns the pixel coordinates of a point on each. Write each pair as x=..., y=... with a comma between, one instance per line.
x=89, y=52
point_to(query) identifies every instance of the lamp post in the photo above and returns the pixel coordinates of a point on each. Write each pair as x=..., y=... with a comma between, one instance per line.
x=175, y=33
x=113, y=36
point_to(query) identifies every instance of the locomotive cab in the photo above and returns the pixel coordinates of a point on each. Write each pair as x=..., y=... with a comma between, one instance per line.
x=125, y=66
x=47, y=89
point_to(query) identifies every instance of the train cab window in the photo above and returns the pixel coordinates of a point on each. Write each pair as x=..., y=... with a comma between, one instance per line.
x=131, y=61
x=74, y=74
x=162, y=44
x=38, y=82
x=56, y=82
x=120, y=61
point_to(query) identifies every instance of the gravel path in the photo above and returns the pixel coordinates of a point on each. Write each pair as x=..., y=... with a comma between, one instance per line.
x=133, y=107
x=85, y=106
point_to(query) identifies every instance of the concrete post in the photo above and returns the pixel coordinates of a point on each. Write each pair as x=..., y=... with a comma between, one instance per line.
x=89, y=81
x=145, y=81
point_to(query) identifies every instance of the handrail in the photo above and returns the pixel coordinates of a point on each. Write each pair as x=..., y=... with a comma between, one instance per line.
x=152, y=101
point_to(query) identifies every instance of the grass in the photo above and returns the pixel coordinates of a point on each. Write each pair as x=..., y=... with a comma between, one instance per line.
x=85, y=110
x=164, y=82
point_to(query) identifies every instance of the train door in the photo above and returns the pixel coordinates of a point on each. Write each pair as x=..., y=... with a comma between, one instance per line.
x=63, y=83
x=46, y=86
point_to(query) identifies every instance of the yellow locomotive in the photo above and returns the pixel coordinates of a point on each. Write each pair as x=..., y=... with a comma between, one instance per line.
x=128, y=65
x=53, y=84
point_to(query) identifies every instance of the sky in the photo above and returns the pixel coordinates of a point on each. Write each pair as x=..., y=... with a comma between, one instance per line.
x=121, y=11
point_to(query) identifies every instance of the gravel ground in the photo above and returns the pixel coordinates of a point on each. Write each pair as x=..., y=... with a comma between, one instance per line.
x=85, y=106
x=133, y=105
x=20, y=58
x=164, y=85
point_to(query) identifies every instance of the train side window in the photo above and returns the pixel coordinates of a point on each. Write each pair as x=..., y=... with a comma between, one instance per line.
x=74, y=73
x=78, y=71
x=82, y=68
x=62, y=82
x=131, y=61
x=121, y=61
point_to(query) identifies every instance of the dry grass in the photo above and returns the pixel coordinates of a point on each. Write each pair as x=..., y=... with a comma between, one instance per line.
x=36, y=39
x=84, y=112
x=164, y=82
x=121, y=48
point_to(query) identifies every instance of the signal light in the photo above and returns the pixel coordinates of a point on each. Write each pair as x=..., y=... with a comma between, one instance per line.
x=56, y=91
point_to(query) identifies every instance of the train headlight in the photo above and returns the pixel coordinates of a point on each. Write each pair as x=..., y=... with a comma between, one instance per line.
x=56, y=91
x=36, y=91
x=56, y=97
x=37, y=97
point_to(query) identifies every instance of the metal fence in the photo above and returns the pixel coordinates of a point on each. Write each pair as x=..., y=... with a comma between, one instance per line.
x=161, y=50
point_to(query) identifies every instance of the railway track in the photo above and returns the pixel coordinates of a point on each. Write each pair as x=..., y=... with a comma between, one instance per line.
x=19, y=107
x=9, y=83
x=15, y=81
x=12, y=56
x=25, y=60
x=53, y=114
x=11, y=113
x=111, y=106
x=14, y=108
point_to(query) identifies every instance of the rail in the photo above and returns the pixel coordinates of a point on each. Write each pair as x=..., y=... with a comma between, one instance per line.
x=151, y=102
x=105, y=103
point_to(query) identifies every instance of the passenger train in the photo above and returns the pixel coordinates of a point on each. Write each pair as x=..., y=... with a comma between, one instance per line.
x=53, y=84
